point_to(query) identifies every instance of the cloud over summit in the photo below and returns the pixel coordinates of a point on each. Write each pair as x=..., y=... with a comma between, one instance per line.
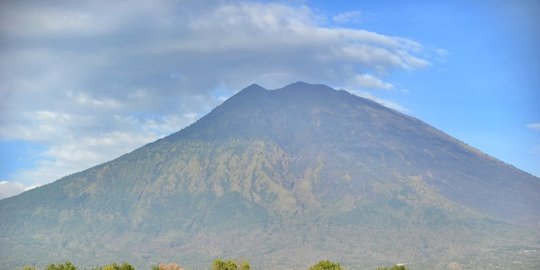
x=99, y=78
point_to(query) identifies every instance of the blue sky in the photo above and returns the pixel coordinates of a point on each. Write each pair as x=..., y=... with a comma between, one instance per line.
x=486, y=91
x=84, y=82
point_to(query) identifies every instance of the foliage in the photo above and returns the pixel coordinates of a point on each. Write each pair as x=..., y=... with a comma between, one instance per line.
x=217, y=264
x=225, y=265
x=326, y=265
x=114, y=266
x=245, y=266
x=64, y=266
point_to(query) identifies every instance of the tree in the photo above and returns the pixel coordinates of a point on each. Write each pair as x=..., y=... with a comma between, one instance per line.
x=114, y=266
x=326, y=265
x=224, y=265
x=64, y=266
x=245, y=266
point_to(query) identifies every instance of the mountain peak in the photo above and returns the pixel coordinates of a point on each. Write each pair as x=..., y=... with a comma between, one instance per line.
x=304, y=85
x=306, y=92
x=249, y=92
x=299, y=84
x=254, y=87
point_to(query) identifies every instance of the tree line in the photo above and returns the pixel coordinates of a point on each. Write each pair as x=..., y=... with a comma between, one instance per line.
x=217, y=264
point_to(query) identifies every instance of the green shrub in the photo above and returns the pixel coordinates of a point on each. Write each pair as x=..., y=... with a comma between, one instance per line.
x=245, y=266
x=326, y=265
x=64, y=266
x=224, y=265
x=114, y=266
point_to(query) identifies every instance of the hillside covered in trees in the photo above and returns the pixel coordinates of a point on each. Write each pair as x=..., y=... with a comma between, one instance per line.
x=283, y=178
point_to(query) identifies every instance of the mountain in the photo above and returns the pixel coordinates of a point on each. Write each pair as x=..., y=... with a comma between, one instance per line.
x=285, y=178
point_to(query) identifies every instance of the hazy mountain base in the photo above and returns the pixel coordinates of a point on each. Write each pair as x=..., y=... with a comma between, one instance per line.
x=407, y=223
x=283, y=248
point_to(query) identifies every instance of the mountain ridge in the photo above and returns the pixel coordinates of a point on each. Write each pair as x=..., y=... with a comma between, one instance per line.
x=286, y=177
x=295, y=89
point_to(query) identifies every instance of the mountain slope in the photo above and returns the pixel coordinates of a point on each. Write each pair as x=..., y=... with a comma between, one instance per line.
x=285, y=178
x=351, y=128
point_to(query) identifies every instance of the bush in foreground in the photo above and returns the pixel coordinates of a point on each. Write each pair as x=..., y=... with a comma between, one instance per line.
x=326, y=265
x=64, y=266
x=217, y=264
x=229, y=265
x=114, y=266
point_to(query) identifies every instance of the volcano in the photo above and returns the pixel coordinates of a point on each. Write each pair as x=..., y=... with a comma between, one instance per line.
x=284, y=178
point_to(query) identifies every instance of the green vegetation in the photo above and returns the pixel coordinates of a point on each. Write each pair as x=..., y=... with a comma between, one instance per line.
x=64, y=266
x=165, y=266
x=326, y=265
x=229, y=265
x=70, y=266
x=245, y=266
x=114, y=266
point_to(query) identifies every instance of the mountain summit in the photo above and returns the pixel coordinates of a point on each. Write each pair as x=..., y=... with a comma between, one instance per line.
x=285, y=178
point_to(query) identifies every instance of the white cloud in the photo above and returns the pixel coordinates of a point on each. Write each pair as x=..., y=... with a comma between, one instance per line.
x=70, y=150
x=87, y=100
x=442, y=52
x=11, y=188
x=387, y=103
x=348, y=17
x=366, y=81
x=95, y=79
x=534, y=126
x=77, y=154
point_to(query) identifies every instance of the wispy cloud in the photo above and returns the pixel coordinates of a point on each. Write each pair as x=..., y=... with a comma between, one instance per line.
x=387, y=103
x=94, y=79
x=534, y=126
x=367, y=81
x=348, y=17
x=11, y=188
